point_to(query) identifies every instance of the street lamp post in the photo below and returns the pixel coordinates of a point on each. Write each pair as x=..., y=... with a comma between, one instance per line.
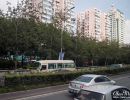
x=63, y=19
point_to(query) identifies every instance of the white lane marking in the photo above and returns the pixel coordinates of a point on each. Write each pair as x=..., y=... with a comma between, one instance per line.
x=42, y=95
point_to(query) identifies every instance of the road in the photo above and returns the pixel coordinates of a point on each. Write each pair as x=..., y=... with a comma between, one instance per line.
x=58, y=92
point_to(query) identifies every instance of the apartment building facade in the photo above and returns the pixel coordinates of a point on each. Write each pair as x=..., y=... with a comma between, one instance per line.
x=102, y=26
x=48, y=9
x=92, y=24
x=117, y=25
x=33, y=9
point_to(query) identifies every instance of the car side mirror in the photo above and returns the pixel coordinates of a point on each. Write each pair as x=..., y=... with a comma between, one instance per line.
x=113, y=82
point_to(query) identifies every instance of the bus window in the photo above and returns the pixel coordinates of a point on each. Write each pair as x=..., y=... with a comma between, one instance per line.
x=51, y=66
x=66, y=65
x=72, y=65
x=44, y=67
x=69, y=65
x=60, y=65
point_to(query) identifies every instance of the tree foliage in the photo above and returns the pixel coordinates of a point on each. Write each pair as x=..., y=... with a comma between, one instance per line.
x=20, y=35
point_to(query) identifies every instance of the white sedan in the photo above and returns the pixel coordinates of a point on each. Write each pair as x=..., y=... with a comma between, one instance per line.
x=104, y=92
x=88, y=80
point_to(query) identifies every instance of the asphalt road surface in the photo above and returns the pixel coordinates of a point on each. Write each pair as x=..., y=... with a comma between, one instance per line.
x=58, y=92
x=64, y=95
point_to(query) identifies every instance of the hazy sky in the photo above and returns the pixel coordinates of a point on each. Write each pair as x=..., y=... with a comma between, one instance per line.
x=103, y=5
x=3, y=3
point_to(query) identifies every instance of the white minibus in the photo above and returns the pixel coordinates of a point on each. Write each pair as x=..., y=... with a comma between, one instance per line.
x=52, y=65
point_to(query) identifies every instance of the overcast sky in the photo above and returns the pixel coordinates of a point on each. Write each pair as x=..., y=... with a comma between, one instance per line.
x=103, y=5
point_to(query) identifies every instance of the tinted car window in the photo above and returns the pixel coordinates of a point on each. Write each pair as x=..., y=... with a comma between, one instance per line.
x=106, y=79
x=84, y=79
x=101, y=79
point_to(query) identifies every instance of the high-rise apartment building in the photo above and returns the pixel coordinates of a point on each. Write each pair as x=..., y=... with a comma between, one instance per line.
x=117, y=25
x=47, y=13
x=92, y=24
x=65, y=10
x=33, y=8
x=100, y=26
x=48, y=9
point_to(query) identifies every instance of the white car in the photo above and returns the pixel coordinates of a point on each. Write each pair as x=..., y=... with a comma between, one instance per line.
x=88, y=80
x=104, y=92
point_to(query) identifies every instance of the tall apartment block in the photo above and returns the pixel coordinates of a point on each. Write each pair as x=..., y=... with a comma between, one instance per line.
x=50, y=8
x=33, y=9
x=93, y=24
x=101, y=26
x=117, y=25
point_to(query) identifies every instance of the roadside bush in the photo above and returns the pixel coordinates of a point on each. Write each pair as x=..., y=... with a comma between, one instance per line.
x=52, y=79
x=6, y=64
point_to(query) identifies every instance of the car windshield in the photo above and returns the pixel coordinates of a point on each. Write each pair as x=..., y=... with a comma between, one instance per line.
x=88, y=95
x=84, y=79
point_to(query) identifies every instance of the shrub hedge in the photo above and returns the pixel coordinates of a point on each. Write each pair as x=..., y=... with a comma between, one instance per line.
x=6, y=64
x=52, y=79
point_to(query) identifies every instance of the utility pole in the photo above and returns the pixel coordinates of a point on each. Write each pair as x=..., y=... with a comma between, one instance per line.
x=63, y=19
